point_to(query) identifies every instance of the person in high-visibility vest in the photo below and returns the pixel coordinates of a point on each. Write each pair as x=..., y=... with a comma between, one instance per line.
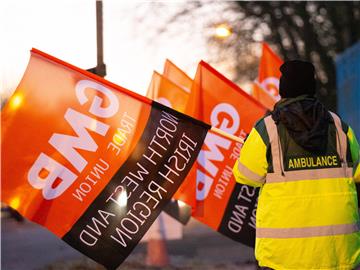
x=305, y=160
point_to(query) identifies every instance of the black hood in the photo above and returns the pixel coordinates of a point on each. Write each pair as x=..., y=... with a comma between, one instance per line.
x=306, y=120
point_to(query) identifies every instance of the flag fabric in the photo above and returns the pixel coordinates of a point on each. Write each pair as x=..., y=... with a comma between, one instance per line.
x=266, y=87
x=167, y=92
x=269, y=70
x=221, y=203
x=91, y=161
x=263, y=96
x=176, y=75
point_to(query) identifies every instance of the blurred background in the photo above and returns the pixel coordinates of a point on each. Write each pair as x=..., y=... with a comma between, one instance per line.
x=127, y=40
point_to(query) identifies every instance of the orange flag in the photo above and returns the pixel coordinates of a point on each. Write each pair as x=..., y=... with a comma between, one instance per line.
x=268, y=79
x=176, y=75
x=167, y=92
x=263, y=96
x=89, y=160
x=216, y=100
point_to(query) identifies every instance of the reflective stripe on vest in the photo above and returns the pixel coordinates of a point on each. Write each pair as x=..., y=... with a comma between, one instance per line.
x=341, y=143
x=307, y=231
x=309, y=175
x=250, y=174
x=342, y=137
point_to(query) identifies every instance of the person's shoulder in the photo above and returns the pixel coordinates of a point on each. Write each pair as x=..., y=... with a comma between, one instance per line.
x=260, y=127
x=261, y=121
x=260, y=124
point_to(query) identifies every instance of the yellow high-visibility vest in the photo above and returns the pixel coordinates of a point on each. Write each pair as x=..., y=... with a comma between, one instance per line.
x=307, y=216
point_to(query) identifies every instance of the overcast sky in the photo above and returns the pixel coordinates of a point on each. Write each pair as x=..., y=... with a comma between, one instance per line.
x=66, y=29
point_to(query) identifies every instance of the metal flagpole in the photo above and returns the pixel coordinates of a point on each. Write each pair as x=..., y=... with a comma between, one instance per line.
x=100, y=68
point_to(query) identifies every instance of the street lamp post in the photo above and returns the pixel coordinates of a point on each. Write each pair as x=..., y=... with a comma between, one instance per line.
x=100, y=68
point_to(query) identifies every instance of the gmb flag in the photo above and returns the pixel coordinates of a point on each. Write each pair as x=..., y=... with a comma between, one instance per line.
x=266, y=87
x=177, y=76
x=221, y=203
x=92, y=162
x=167, y=92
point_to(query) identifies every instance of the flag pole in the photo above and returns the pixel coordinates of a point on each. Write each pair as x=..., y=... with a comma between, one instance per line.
x=101, y=67
x=227, y=135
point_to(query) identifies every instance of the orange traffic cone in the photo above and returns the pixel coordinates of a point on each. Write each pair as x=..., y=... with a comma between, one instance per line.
x=157, y=254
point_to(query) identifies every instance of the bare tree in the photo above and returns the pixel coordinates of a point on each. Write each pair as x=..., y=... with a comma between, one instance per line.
x=313, y=31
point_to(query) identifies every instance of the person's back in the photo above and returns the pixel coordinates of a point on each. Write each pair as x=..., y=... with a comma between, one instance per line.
x=305, y=159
